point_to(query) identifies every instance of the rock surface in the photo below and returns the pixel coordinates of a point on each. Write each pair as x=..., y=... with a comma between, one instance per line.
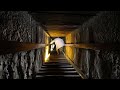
x=20, y=26
x=99, y=64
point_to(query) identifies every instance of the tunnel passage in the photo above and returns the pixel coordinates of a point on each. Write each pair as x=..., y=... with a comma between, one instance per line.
x=92, y=42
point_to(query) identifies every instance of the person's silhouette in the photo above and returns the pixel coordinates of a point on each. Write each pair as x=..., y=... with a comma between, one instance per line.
x=59, y=44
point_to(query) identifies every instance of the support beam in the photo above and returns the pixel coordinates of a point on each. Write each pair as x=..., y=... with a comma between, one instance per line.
x=104, y=46
x=13, y=46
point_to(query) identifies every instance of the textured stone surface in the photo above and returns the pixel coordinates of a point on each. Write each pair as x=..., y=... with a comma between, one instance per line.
x=98, y=64
x=20, y=26
x=103, y=28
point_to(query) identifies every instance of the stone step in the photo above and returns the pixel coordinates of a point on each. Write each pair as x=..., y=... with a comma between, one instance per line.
x=53, y=76
x=57, y=63
x=50, y=65
x=57, y=72
x=57, y=69
x=57, y=66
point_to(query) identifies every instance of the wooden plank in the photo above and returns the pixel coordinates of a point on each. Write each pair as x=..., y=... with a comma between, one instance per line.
x=81, y=74
x=13, y=46
x=105, y=46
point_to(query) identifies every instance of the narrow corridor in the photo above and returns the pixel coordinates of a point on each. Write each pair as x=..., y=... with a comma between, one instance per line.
x=92, y=45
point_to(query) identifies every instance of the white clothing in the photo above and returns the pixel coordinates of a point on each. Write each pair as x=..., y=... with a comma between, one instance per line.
x=59, y=43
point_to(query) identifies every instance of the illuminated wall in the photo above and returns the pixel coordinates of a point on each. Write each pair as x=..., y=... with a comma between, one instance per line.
x=70, y=50
x=46, y=49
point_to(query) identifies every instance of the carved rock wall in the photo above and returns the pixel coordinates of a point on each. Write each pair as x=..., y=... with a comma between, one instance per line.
x=20, y=26
x=99, y=64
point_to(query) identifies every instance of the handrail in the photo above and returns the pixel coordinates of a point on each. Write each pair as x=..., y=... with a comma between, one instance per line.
x=75, y=67
x=14, y=46
x=103, y=46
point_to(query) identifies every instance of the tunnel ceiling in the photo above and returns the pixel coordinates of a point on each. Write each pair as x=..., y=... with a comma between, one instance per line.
x=60, y=23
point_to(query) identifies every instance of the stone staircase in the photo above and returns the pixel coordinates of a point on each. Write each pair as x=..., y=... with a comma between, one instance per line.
x=57, y=68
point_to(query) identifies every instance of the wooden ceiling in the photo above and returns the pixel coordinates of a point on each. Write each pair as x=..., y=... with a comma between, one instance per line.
x=60, y=23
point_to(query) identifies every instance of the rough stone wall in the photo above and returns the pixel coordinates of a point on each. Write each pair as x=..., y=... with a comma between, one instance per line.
x=99, y=64
x=20, y=26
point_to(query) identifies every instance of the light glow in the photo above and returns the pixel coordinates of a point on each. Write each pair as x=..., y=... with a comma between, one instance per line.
x=47, y=54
